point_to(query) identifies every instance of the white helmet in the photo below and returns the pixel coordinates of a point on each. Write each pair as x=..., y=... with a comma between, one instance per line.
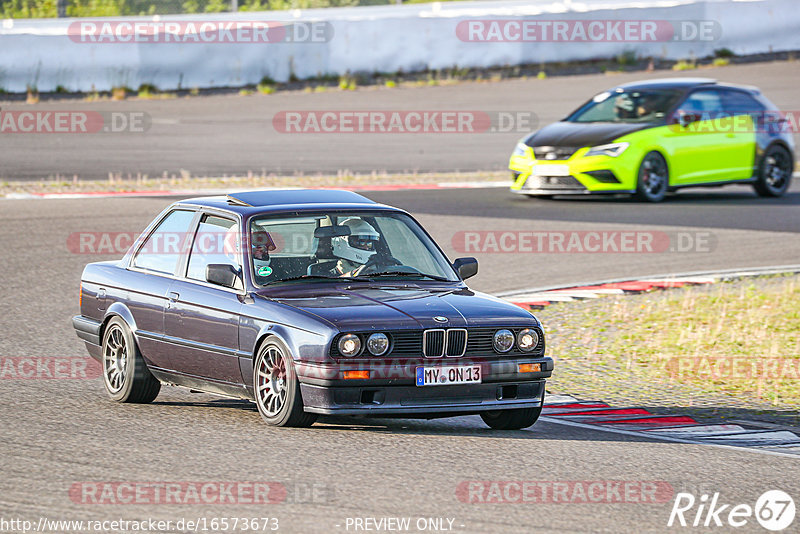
x=360, y=245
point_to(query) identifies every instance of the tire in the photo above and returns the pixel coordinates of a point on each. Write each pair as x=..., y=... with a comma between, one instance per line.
x=125, y=374
x=653, y=178
x=774, y=172
x=276, y=388
x=511, y=419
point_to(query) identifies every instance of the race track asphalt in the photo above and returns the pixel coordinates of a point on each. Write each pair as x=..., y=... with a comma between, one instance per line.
x=216, y=135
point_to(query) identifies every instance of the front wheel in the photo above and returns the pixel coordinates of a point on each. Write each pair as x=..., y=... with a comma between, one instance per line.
x=653, y=179
x=277, y=389
x=125, y=375
x=511, y=419
x=774, y=173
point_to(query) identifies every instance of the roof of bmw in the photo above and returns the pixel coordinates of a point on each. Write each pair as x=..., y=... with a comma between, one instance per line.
x=285, y=200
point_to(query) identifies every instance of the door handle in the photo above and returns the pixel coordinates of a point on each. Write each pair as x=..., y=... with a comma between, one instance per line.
x=173, y=297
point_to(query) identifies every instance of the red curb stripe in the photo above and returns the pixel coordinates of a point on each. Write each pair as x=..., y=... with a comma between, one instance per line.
x=200, y=192
x=541, y=304
x=582, y=288
x=628, y=286
x=608, y=412
x=577, y=405
x=667, y=420
x=107, y=194
x=669, y=284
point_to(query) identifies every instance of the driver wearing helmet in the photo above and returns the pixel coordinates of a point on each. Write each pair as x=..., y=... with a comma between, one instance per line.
x=354, y=251
x=624, y=107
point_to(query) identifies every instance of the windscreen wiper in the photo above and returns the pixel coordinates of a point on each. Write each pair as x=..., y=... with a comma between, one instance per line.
x=312, y=277
x=382, y=274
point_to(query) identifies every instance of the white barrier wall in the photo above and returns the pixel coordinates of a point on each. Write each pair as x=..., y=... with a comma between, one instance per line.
x=41, y=54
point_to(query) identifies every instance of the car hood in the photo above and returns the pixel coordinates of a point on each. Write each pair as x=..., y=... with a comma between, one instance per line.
x=401, y=307
x=582, y=134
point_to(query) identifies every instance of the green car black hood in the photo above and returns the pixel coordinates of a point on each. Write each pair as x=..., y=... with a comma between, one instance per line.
x=581, y=134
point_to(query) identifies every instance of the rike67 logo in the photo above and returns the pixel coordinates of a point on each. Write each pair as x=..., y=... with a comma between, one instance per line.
x=774, y=510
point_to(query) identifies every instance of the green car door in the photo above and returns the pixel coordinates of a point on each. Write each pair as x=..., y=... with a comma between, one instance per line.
x=708, y=143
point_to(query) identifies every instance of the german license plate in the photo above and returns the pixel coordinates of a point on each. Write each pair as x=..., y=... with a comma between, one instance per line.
x=550, y=170
x=446, y=376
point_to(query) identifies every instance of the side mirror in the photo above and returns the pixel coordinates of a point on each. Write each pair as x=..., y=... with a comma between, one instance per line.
x=222, y=274
x=466, y=267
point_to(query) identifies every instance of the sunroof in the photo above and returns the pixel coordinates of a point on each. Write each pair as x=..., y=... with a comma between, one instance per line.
x=296, y=196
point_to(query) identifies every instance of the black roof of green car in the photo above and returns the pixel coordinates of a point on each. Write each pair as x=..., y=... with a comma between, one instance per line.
x=668, y=83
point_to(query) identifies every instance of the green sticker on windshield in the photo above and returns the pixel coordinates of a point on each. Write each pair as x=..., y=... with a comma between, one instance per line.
x=264, y=271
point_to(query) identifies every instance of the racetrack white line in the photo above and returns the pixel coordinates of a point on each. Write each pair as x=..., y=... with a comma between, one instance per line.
x=631, y=433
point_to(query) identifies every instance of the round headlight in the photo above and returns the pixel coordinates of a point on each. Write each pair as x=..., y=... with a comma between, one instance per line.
x=377, y=344
x=527, y=339
x=349, y=345
x=503, y=340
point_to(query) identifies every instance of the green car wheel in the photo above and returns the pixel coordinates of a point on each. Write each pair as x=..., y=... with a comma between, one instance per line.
x=774, y=173
x=653, y=178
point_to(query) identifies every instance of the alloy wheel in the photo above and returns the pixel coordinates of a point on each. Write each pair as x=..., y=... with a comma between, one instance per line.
x=272, y=381
x=115, y=359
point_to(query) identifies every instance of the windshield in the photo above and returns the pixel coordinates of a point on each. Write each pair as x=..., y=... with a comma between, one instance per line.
x=338, y=245
x=627, y=106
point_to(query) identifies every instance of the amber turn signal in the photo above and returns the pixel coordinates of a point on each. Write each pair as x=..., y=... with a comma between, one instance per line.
x=530, y=367
x=350, y=375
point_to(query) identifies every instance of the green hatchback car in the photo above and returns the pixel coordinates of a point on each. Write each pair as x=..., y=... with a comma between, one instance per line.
x=649, y=138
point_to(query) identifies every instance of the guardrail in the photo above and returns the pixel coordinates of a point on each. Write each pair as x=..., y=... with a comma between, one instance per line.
x=46, y=54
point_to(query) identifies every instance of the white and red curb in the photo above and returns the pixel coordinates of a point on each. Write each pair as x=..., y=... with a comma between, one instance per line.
x=565, y=409
x=598, y=415
x=217, y=191
x=539, y=298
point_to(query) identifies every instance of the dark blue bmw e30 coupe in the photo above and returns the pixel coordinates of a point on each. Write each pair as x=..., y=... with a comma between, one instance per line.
x=309, y=302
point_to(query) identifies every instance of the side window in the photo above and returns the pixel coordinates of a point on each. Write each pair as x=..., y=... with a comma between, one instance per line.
x=739, y=103
x=706, y=103
x=162, y=250
x=217, y=241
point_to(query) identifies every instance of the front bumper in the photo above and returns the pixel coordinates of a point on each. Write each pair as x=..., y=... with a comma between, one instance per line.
x=393, y=390
x=576, y=175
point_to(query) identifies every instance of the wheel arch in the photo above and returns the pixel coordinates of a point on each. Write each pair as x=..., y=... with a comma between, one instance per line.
x=777, y=142
x=118, y=309
x=278, y=332
x=661, y=151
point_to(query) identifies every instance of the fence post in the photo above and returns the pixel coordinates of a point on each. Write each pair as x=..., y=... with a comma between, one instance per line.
x=61, y=8
x=234, y=5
